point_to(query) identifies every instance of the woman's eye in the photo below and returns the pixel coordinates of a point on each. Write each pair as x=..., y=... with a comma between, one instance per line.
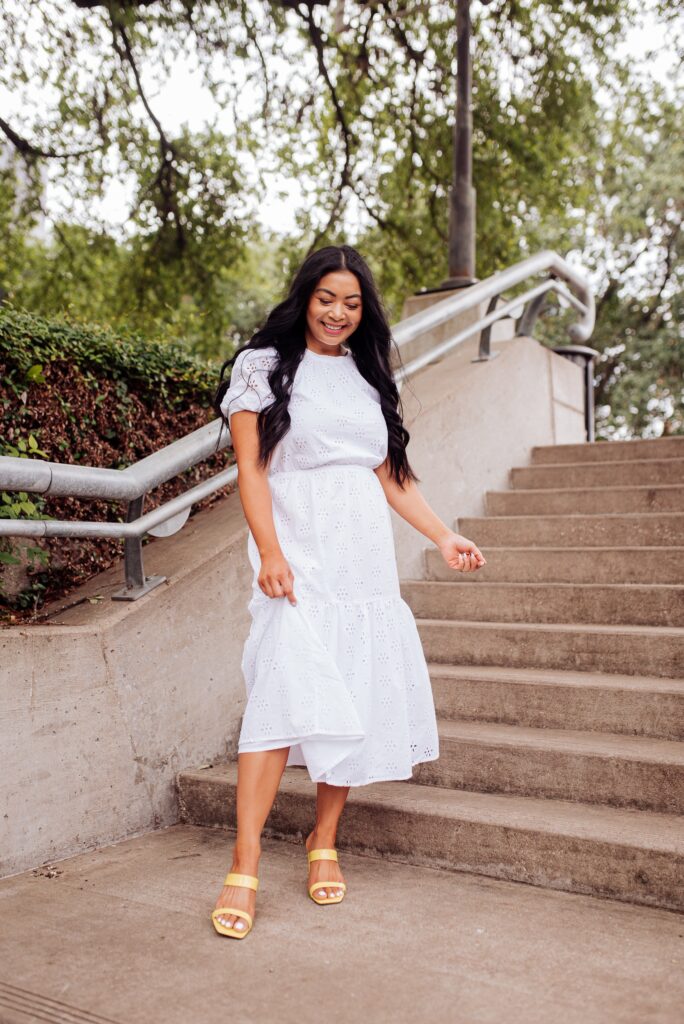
x=326, y=302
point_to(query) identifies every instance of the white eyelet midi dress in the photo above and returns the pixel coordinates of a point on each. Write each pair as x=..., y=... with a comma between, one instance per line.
x=340, y=678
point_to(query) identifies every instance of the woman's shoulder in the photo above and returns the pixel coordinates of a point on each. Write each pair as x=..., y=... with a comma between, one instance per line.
x=249, y=387
x=263, y=358
x=252, y=364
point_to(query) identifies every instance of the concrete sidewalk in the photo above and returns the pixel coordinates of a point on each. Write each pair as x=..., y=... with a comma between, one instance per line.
x=123, y=935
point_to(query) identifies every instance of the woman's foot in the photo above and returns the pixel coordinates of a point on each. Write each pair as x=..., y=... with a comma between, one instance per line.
x=239, y=896
x=326, y=871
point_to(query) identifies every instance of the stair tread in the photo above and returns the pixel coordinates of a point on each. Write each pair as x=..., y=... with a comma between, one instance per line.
x=627, y=827
x=622, y=442
x=605, y=464
x=674, y=632
x=595, y=549
x=605, y=744
x=672, y=588
x=574, y=516
x=608, y=487
x=560, y=677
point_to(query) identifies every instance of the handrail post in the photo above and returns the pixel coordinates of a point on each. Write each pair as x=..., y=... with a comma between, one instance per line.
x=530, y=315
x=484, y=353
x=137, y=583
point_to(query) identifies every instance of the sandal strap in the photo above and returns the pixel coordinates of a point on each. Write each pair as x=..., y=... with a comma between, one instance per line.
x=248, y=881
x=327, y=885
x=232, y=912
x=322, y=855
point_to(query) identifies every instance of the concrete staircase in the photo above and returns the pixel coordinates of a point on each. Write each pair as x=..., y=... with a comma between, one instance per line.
x=558, y=675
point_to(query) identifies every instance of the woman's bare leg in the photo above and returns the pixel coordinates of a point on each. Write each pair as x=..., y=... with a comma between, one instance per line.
x=330, y=801
x=259, y=775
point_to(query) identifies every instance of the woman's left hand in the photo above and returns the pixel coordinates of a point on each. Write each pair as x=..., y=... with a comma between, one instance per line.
x=461, y=554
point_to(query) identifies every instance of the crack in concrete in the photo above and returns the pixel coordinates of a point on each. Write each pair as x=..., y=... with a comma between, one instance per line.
x=138, y=759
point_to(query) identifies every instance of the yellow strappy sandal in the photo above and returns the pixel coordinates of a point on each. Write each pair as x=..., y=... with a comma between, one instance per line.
x=325, y=855
x=250, y=882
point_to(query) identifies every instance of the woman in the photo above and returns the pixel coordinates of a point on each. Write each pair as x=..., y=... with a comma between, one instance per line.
x=333, y=665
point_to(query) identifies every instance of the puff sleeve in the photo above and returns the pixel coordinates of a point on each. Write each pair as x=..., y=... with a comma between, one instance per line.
x=249, y=382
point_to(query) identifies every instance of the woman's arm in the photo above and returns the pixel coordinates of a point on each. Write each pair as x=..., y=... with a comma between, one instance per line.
x=408, y=502
x=275, y=578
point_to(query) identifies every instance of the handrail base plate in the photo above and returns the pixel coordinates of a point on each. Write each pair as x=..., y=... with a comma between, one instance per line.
x=133, y=593
x=486, y=359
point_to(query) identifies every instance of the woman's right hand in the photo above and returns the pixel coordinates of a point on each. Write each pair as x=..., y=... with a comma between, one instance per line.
x=275, y=578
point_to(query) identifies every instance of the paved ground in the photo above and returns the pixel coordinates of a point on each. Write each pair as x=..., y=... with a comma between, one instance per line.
x=123, y=935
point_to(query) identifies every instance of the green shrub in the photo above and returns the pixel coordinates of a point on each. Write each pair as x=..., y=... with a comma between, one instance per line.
x=82, y=394
x=153, y=368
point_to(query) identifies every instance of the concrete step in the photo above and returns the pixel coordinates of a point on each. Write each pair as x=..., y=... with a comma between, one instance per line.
x=604, y=603
x=645, y=529
x=610, y=451
x=630, y=650
x=631, y=855
x=636, y=565
x=585, y=501
x=636, y=473
x=562, y=764
x=554, y=698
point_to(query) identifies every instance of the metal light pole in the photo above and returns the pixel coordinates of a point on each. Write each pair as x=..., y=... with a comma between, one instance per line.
x=462, y=194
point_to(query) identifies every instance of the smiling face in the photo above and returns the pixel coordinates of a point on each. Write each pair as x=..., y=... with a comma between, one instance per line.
x=334, y=311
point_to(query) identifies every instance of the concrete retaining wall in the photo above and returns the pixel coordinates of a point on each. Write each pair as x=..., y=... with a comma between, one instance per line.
x=102, y=705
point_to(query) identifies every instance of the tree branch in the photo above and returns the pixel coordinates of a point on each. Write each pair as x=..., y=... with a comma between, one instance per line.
x=165, y=178
x=128, y=52
x=89, y=5
x=399, y=35
x=345, y=173
x=670, y=253
x=250, y=29
x=27, y=149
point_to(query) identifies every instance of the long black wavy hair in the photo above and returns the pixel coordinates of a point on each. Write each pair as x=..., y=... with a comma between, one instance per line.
x=370, y=346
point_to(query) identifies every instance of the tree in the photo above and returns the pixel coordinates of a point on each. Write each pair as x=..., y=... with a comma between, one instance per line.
x=348, y=99
x=632, y=240
x=355, y=101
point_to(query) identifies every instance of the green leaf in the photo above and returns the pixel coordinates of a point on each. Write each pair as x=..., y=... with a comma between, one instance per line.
x=35, y=373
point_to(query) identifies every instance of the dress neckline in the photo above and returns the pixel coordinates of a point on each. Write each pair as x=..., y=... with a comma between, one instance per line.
x=320, y=355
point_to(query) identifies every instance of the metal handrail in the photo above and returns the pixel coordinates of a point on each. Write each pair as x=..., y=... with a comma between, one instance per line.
x=484, y=324
x=133, y=483
x=493, y=287
x=115, y=484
